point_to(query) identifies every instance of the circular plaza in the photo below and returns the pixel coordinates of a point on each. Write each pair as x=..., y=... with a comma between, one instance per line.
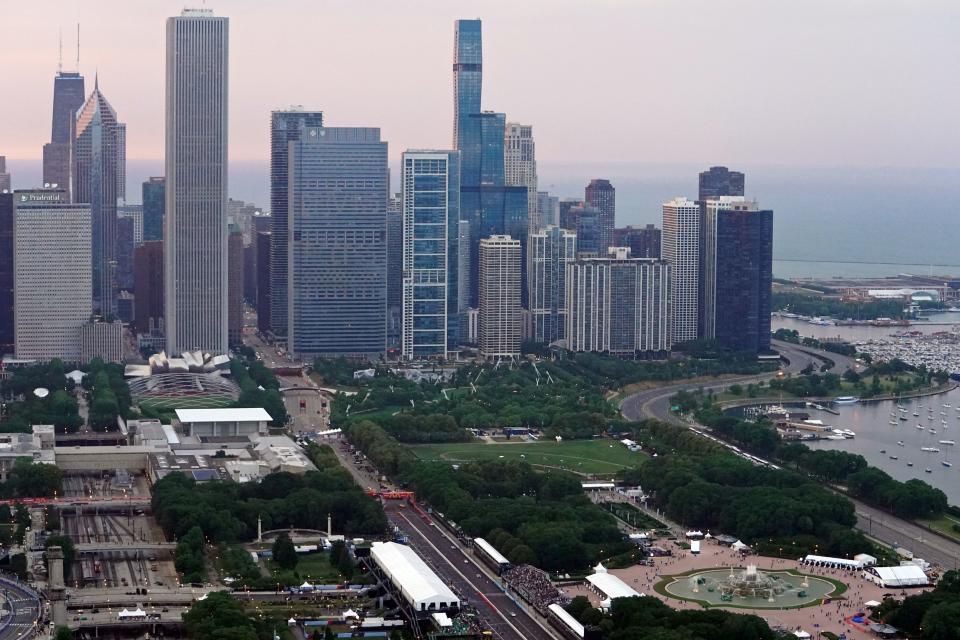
x=749, y=587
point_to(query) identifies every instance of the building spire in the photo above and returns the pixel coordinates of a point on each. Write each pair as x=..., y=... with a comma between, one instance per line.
x=60, y=53
x=78, y=47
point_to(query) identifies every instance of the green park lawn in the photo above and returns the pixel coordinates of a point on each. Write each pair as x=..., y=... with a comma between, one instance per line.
x=583, y=456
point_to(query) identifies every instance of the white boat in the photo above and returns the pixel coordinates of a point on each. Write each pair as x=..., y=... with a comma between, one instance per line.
x=845, y=399
x=949, y=442
x=946, y=463
x=930, y=449
x=835, y=437
x=921, y=427
x=932, y=430
x=900, y=442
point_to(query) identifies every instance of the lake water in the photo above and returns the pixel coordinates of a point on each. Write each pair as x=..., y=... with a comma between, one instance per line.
x=827, y=221
x=871, y=420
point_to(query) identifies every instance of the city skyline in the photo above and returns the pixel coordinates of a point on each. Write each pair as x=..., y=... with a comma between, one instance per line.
x=775, y=117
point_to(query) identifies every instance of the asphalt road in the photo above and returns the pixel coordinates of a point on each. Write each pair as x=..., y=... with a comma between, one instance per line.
x=655, y=404
x=468, y=578
x=24, y=611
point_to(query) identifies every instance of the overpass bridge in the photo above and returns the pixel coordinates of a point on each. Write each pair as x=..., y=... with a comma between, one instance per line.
x=112, y=598
x=109, y=620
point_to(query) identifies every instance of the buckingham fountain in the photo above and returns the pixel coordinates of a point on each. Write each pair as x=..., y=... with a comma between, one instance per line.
x=748, y=587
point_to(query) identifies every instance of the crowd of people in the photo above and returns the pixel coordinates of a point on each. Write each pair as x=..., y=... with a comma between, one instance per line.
x=534, y=586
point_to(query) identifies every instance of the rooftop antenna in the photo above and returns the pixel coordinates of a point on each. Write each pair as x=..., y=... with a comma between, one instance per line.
x=78, y=47
x=60, y=54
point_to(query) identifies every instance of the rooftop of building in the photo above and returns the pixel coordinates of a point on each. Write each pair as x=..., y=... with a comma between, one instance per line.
x=246, y=414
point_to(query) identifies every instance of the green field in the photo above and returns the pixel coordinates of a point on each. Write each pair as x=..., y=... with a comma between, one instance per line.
x=583, y=456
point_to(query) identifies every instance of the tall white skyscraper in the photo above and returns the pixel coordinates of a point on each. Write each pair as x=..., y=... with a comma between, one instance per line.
x=520, y=167
x=431, y=223
x=499, y=297
x=681, y=248
x=195, y=225
x=53, y=282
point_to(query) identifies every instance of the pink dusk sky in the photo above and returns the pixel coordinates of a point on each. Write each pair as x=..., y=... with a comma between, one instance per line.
x=811, y=82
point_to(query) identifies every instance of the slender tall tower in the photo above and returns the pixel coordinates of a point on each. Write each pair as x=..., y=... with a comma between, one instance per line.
x=95, y=181
x=195, y=225
x=499, y=310
x=681, y=248
x=285, y=127
x=431, y=221
x=467, y=75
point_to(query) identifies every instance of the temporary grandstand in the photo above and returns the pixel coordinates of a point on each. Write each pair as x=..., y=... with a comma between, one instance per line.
x=413, y=580
x=610, y=586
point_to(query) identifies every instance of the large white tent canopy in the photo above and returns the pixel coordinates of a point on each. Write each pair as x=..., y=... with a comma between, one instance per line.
x=611, y=586
x=905, y=575
x=418, y=585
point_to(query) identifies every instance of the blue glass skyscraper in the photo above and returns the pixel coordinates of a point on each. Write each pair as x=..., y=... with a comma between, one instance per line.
x=482, y=149
x=431, y=219
x=490, y=207
x=467, y=74
x=337, y=248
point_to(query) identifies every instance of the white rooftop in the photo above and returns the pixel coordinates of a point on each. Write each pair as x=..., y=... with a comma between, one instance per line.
x=568, y=619
x=257, y=414
x=495, y=555
x=904, y=575
x=416, y=582
x=611, y=586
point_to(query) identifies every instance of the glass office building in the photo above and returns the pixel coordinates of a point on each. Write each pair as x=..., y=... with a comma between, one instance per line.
x=337, y=251
x=739, y=268
x=285, y=126
x=467, y=74
x=431, y=220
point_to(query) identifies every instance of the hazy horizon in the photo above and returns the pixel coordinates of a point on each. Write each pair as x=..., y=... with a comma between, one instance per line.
x=739, y=82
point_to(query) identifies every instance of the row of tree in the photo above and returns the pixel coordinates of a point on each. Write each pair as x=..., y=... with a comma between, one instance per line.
x=258, y=388
x=546, y=516
x=650, y=619
x=228, y=512
x=109, y=394
x=189, y=558
x=911, y=499
x=722, y=492
x=808, y=305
